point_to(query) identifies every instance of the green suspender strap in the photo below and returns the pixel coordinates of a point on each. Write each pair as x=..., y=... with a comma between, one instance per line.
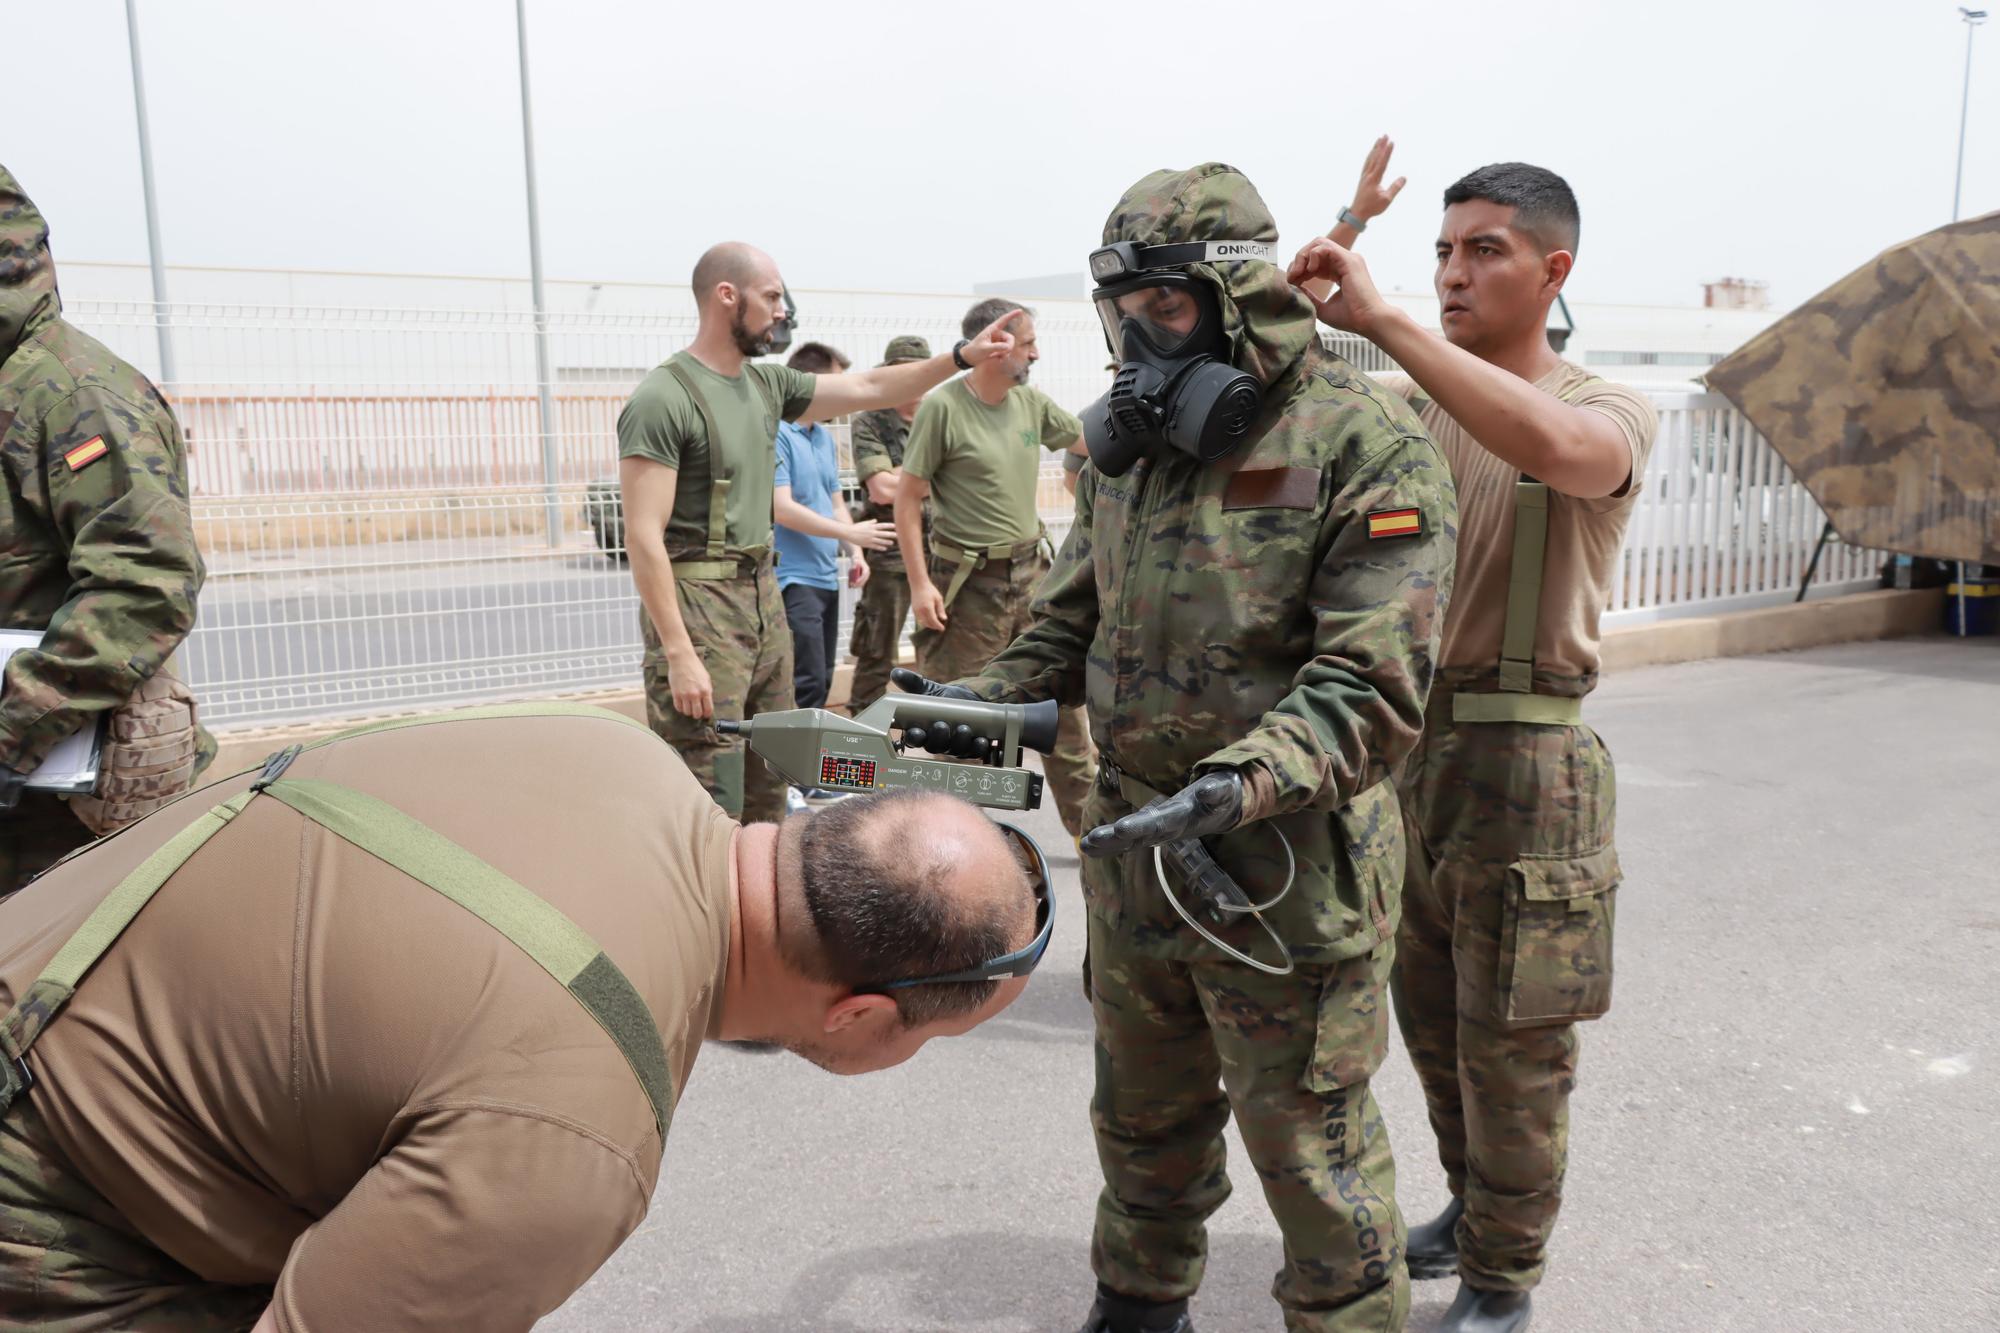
x=1517, y=701
x=717, y=561
x=719, y=480
x=557, y=944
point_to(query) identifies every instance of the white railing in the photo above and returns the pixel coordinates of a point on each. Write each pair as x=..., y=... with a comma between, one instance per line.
x=1721, y=523
x=381, y=533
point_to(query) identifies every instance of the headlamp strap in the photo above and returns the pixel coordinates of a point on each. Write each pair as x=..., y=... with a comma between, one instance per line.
x=1206, y=252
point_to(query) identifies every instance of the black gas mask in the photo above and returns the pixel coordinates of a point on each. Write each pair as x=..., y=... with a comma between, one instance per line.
x=1174, y=386
x=779, y=339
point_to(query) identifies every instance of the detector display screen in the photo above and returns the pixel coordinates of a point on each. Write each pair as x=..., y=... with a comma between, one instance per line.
x=837, y=770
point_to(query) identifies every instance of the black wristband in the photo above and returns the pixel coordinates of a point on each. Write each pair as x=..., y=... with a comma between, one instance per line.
x=958, y=354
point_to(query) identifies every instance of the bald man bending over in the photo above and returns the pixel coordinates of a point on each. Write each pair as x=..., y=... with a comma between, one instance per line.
x=697, y=453
x=325, y=1078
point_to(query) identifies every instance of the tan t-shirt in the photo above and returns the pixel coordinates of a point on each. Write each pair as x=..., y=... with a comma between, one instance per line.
x=299, y=1066
x=1584, y=535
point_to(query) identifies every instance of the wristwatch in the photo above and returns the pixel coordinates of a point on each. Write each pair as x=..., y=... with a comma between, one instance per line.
x=1347, y=216
x=958, y=354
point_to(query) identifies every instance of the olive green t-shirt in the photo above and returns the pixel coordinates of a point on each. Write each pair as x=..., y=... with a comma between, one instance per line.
x=660, y=423
x=983, y=461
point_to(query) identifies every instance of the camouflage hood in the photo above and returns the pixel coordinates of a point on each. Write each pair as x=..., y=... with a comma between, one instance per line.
x=1269, y=324
x=27, y=274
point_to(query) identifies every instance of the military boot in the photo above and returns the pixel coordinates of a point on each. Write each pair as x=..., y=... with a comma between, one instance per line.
x=1433, y=1246
x=1113, y=1313
x=1476, y=1311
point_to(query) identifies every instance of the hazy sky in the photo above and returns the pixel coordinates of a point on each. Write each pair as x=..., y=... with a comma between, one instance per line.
x=928, y=146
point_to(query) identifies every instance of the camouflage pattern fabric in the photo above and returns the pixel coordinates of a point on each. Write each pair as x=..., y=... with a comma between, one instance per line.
x=738, y=626
x=906, y=347
x=70, y=1264
x=879, y=616
x=1180, y=1046
x=988, y=613
x=1881, y=394
x=878, y=439
x=1239, y=616
x=99, y=542
x=152, y=750
x=1505, y=943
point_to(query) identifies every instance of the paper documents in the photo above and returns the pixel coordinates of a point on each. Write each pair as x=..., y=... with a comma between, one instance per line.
x=72, y=765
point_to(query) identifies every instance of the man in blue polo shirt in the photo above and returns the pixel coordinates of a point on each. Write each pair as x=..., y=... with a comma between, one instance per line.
x=809, y=536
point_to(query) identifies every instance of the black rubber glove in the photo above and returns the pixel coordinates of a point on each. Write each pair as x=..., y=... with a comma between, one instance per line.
x=1212, y=803
x=11, y=784
x=911, y=683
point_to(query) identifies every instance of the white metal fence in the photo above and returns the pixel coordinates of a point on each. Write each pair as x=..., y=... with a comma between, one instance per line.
x=380, y=533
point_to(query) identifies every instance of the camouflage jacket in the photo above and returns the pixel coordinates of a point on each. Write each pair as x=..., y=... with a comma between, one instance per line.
x=1249, y=614
x=98, y=546
x=878, y=439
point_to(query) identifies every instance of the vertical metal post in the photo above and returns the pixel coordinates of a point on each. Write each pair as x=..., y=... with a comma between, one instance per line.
x=543, y=375
x=161, y=316
x=1973, y=18
x=1965, y=101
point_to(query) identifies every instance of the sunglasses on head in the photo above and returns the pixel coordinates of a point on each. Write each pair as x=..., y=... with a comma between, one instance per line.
x=1021, y=961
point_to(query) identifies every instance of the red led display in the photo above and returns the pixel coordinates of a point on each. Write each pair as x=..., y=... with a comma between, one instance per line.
x=841, y=771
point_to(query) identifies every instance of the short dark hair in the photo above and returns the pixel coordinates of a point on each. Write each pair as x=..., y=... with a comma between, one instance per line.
x=1544, y=205
x=890, y=915
x=816, y=359
x=985, y=312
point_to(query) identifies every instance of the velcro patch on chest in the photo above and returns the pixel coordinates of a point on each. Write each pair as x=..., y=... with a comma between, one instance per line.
x=1395, y=523
x=1272, y=488
x=86, y=453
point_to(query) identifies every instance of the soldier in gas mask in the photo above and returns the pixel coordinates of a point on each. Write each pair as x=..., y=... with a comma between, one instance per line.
x=1249, y=606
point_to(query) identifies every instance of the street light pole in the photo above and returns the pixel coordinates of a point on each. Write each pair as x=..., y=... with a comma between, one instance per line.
x=543, y=376
x=1965, y=101
x=1973, y=18
x=160, y=314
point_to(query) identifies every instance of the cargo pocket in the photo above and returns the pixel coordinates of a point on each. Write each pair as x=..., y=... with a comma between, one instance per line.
x=1555, y=945
x=1353, y=1024
x=151, y=745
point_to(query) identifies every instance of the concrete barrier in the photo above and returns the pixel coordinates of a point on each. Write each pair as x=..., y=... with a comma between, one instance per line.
x=1885, y=614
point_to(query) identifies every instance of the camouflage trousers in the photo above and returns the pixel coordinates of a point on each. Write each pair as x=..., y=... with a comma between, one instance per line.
x=1505, y=943
x=738, y=627
x=1182, y=1044
x=878, y=632
x=34, y=835
x=70, y=1264
x=991, y=609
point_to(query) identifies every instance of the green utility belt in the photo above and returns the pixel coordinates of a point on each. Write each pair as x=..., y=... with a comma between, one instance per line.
x=1544, y=709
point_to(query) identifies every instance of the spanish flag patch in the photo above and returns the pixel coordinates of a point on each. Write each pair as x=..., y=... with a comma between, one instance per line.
x=1395, y=523
x=85, y=454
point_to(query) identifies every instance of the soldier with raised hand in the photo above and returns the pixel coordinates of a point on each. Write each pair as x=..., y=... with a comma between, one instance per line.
x=878, y=441
x=1249, y=605
x=696, y=465
x=975, y=453
x=1505, y=942
x=100, y=560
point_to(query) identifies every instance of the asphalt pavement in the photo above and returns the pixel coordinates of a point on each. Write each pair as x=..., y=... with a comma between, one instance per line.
x=1788, y=1122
